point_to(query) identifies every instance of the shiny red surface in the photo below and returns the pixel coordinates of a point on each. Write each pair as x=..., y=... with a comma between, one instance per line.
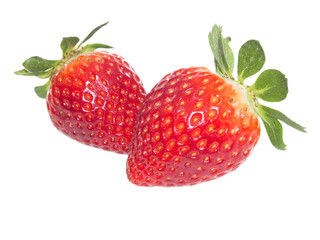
x=94, y=99
x=193, y=127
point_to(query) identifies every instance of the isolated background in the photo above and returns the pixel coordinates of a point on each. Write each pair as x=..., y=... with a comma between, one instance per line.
x=51, y=187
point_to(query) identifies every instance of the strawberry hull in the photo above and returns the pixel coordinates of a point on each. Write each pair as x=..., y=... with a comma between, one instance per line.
x=194, y=126
x=94, y=99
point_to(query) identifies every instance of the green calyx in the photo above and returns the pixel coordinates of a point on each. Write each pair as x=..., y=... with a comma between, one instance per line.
x=271, y=85
x=43, y=68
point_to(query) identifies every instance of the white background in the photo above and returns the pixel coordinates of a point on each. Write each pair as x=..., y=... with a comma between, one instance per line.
x=52, y=187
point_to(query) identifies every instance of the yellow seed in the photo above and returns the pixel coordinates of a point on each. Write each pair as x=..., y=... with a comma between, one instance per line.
x=214, y=146
x=219, y=160
x=224, y=114
x=200, y=93
x=206, y=159
x=169, y=99
x=213, y=99
x=234, y=153
x=180, y=127
x=169, y=108
x=194, y=154
x=221, y=131
x=194, y=176
x=210, y=129
x=196, y=118
x=171, y=90
x=81, y=71
x=97, y=68
x=219, y=88
x=199, y=104
x=189, y=91
x=212, y=113
x=182, y=113
x=202, y=144
x=205, y=81
x=185, y=85
x=173, y=82
x=187, y=164
x=157, y=104
x=182, y=102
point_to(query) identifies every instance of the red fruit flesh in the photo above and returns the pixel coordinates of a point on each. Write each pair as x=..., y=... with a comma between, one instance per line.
x=194, y=126
x=94, y=99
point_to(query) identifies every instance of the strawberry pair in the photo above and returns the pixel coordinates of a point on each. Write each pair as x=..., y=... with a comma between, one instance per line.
x=193, y=126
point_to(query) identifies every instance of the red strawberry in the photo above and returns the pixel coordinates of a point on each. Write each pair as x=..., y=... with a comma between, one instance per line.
x=196, y=126
x=93, y=97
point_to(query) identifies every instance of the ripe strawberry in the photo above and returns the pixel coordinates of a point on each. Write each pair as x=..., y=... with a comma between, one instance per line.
x=92, y=97
x=196, y=126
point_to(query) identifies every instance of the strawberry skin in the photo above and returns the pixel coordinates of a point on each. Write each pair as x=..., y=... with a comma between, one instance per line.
x=194, y=126
x=94, y=99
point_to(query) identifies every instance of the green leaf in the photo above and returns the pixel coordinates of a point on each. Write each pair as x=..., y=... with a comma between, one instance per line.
x=224, y=59
x=68, y=44
x=24, y=72
x=41, y=74
x=228, y=53
x=41, y=91
x=251, y=59
x=38, y=64
x=270, y=119
x=218, y=69
x=92, y=33
x=279, y=115
x=92, y=47
x=274, y=130
x=271, y=86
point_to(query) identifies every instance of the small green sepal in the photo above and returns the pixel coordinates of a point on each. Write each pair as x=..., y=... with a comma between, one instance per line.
x=41, y=91
x=24, y=72
x=223, y=55
x=92, y=47
x=92, y=33
x=68, y=44
x=271, y=86
x=218, y=69
x=251, y=59
x=264, y=110
x=41, y=74
x=274, y=131
x=38, y=64
x=270, y=118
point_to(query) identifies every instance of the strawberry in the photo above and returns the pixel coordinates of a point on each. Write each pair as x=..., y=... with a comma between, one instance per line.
x=196, y=126
x=91, y=96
